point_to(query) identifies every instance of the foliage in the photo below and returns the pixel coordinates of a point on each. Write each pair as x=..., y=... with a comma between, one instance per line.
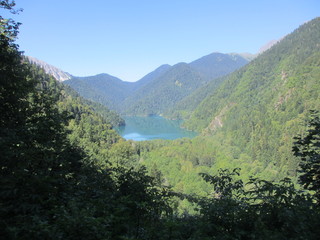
x=264, y=211
x=307, y=148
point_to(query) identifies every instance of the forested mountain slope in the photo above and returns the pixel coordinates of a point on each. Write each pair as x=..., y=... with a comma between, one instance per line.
x=185, y=107
x=110, y=116
x=90, y=125
x=102, y=88
x=259, y=108
x=163, y=92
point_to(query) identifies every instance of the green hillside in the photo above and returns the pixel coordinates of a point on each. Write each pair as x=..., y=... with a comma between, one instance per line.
x=90, y=126
x=260, y=108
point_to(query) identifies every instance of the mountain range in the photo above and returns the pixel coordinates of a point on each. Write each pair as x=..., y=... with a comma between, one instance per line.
x=158, y=91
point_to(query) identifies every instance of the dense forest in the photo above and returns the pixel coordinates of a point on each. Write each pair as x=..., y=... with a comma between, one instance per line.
x=66, y=174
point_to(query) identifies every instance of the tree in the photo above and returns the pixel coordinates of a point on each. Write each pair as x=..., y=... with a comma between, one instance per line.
x=308, y=149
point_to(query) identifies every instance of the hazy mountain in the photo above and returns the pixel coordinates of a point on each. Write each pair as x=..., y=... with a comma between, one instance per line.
x=152, y=75
x=159, y=90
x=102, y=88
x=51, y=70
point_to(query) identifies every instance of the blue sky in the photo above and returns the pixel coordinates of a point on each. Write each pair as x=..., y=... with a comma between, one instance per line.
x=128, y=39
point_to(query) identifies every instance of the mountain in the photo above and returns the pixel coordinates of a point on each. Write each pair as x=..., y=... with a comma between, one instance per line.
x=164, y=91
x=258, y=109
x=178, y=82
x=212, y=69
x=58, y=74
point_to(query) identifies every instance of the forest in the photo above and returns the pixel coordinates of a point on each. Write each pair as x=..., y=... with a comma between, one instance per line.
x=67, y=174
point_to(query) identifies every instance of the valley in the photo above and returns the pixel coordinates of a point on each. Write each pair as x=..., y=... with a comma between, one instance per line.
x=226, y=146
x=247, y=118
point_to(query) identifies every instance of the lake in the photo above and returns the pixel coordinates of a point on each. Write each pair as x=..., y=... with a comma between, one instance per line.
x=154, y=127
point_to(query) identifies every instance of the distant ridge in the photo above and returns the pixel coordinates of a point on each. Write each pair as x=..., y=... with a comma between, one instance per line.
x=58, y=74
x=153, y=75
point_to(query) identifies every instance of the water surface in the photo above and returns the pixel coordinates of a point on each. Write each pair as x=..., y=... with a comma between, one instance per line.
x=154, y=127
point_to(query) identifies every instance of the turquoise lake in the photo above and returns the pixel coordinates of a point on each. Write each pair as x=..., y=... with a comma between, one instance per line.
x=154, y=127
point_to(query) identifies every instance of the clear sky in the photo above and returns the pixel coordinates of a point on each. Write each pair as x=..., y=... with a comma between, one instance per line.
x=130, y=38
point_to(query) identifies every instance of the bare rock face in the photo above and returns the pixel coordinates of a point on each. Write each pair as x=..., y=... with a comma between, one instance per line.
x=58, y=74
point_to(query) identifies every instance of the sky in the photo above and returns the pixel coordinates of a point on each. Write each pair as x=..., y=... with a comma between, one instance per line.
x=130, y=38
